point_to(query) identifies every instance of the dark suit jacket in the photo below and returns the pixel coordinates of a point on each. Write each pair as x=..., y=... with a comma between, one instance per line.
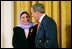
x=46, y=36
x=19, y=39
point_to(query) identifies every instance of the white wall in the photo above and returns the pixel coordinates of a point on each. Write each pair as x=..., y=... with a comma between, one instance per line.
x=7, y=23
x=2, y=24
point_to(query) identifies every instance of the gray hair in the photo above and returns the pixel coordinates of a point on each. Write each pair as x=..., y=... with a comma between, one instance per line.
x=39, y=7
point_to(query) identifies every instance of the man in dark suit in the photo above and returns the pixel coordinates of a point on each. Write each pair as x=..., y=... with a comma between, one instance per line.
x=46, y=36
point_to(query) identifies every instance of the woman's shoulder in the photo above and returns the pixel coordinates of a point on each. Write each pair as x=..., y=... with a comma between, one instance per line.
x=35, y=26
x=17, y=28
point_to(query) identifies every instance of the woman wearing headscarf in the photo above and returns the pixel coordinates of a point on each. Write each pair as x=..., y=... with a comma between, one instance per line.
x=24, y=33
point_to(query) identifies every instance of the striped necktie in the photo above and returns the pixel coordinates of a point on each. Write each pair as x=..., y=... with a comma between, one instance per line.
x=38, y=26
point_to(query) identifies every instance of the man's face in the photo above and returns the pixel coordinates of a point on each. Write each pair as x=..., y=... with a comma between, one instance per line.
x=34, y=14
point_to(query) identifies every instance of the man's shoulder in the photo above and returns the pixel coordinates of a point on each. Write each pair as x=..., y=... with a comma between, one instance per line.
x=48, y=20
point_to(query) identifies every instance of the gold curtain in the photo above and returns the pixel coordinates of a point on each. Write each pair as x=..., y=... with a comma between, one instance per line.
x=60, y=11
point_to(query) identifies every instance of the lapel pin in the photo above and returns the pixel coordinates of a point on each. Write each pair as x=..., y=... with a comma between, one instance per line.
x=31, y=30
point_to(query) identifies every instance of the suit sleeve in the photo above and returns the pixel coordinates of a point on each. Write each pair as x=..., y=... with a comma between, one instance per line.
x=50, y=30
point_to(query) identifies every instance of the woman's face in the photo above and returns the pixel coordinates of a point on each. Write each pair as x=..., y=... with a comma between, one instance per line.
x=24, y=19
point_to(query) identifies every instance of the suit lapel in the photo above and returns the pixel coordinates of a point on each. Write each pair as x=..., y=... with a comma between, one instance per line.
x=40, y=27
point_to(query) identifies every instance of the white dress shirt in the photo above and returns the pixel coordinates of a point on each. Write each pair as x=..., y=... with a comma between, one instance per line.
x=40, y=21
x=41, y=18
x=26, y=32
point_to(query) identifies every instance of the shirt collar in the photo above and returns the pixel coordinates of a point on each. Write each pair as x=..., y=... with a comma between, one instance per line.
x=41, y=17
